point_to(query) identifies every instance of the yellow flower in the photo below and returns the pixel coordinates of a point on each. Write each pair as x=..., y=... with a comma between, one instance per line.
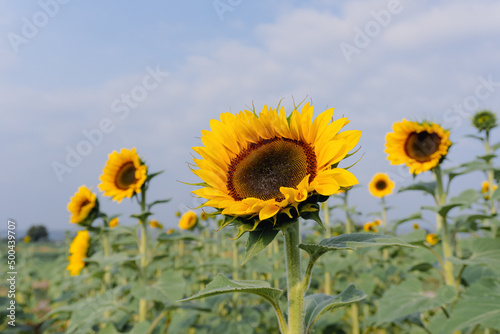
x=81, y=205
x=170, y=231
x=155, y=224
x=78, y=250
x=188, y=220
x=381, y=185
x=432, y=239
x=377, y=222
x=256, y=166
x=421, y=146
x=27, y=239
x=416, y=226
x=370, y=227
x=123, y=175
x=485, y=189
x=113, y=222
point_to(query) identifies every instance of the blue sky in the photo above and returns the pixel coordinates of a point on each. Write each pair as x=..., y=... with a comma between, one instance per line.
x=404, y=59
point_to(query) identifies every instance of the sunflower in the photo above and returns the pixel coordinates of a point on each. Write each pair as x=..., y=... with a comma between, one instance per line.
x=484, y=120
x=421, y=146
x=113, y=222
x=78, y=250
x=432, y=239
x=485, y=189
x=155, y=224
x=82, y=205
x=123, y=175
x=256, y=166
x=381, y=185
x=188, y=221
x=370, y=227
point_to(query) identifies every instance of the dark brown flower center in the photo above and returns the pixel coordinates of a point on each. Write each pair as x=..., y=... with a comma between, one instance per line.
x=262, y=168
x=83, y=204
x=420, y=146
x=381, y=185
x=125, y=176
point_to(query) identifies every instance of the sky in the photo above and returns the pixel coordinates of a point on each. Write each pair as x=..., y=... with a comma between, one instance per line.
x=80, y=79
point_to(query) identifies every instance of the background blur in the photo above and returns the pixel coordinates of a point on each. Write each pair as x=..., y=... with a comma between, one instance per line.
x=79, y=79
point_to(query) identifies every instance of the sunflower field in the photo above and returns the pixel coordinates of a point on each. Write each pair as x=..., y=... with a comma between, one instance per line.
x=276, y=246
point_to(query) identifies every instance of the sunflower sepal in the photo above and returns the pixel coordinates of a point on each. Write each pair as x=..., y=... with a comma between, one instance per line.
x=310, y=211
x=258, y=240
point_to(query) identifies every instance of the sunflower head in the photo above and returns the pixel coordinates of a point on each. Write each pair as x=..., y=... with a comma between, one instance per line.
x=416, y=226
x=78, y=250
x=381, y=185
x=484, y=120
x=27, y=239
x=188, y=221
x=113, y=222
x=83, y=206
x=421, y=146
x=269, y=169
x=123, y=175
x=155, y=224
x=432, y=239
x=370, y=227
x=485, y=189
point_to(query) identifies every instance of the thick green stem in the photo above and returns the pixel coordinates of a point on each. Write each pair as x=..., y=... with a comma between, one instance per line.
x=491, y=189
x=107, y=274
x=354, y=318
x=235, y=260
x=326, y=222
x=293, y=274
x=442, y=224
x=143, y=251
x=384, y=215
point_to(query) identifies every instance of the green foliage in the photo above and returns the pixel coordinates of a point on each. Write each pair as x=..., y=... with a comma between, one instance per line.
x=38, y=233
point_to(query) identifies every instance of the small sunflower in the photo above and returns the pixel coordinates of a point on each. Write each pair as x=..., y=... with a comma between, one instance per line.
x=416, y=226
x=155, y=224
x=370, y=227
x=421, y=146
x=27, y=239
x=83, y=206
x=484, y=120
x=381, y=185
x=432, y=239
x=485, y=189
x=113, y=222
x=123, y=175
x=188, y=221
x=257, y=166
x=78, y=250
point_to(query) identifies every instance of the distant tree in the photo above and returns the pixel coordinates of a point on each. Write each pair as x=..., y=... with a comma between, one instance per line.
x=38, y=233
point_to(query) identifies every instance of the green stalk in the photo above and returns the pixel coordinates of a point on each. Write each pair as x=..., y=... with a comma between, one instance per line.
x=326, y=221
x=441, y=200
x=143, y=303
x=384, y=214
x=235, y=260
x=107, y=274
x=492, y=208
x=293, y=275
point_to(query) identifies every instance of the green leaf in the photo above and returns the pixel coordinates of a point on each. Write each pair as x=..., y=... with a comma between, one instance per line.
x=444, y=209
x=416, y=215
x=479, y=305
x=176, y=235
x=257, y=241
x=158, y=202
x=414, y=237
x=428, y=187
x=310, y=211
x=409, y=297
x=485, y=251
x=143, y=216
x=167, y=289
x=352, y=241
x=222, y=284
x=318, y=304
x=475, y=137
x=496, y=146
x=487, y=157
x=468, y=197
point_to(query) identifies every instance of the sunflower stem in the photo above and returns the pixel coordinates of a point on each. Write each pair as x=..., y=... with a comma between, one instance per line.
x=443, y=225
x=143, y=251
x=491, y=189
x=293, y=275
x=326, y=221
x=107, y=274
